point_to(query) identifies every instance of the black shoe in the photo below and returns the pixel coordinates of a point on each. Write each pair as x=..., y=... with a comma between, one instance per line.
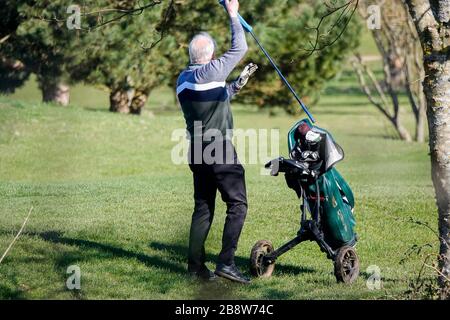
x=231, y=272
x=204, y=274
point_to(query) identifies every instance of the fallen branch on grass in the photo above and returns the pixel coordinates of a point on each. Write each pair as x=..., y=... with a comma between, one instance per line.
x=17, y=236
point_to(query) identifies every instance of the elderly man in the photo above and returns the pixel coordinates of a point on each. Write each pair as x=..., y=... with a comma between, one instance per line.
x=205, y=100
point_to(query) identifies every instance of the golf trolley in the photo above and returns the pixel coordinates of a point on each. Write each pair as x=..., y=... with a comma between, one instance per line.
x=325, y=196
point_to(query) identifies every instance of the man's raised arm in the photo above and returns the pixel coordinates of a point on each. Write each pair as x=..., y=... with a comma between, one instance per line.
x=220, y=69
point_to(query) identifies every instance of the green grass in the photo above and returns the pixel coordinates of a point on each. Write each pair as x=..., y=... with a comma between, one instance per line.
x=367, y=45
x=107, y=198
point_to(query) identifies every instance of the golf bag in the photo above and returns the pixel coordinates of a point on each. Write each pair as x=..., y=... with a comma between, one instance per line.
x=324, y=191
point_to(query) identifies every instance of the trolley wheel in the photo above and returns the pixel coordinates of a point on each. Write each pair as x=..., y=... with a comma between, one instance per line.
x=257, y=266
x=346, y=265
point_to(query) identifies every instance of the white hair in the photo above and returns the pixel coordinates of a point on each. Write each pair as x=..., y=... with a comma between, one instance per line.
x=201, y=48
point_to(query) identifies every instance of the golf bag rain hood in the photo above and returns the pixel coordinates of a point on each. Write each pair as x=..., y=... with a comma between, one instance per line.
x=330, y=151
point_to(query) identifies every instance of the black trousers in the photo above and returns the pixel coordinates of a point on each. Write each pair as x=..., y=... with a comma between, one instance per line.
x=229, y=179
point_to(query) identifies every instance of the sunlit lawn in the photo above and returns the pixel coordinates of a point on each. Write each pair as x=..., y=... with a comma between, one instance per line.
x=107, y=197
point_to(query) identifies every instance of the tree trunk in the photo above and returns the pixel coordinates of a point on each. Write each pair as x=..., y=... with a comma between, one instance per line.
x=437, y=92
x=119, y=101
x=130, y=101
x=421, y=101
x=420, y=127
x=418, y=108
x=138, y=102
x=382, y=104
x=432, y=21
x=55, y=92
x=402, y=131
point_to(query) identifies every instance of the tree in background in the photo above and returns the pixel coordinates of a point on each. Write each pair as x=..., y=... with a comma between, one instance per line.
x=309, y=42
x=38, y=46
x=132, y=46
x=398, y=45
x=287, y=29
x=123, y=56
x=432, y=21
x=13, y=73
x=109, y=48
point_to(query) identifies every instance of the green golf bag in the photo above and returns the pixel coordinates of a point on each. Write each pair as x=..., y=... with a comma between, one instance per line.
x=324, y=191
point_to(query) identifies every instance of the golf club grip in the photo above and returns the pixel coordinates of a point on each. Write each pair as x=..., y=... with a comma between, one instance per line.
x=244, y=23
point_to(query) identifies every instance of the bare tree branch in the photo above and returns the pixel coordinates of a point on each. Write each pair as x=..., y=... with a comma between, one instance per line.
x=163, y=27
x=346, y=10
x=360, y=69
x=122, y=13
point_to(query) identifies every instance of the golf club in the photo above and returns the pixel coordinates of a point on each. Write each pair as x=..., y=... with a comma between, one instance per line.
x=249, y=29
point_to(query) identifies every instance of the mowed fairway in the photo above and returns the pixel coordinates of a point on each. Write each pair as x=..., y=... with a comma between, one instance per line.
x=107, y=198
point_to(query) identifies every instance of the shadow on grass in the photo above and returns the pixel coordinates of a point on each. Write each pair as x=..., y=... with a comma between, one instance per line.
x=328, y=102
x=10, y=294
x=275, y=294
x=96, y=109
x=338, y=112
x=344, y=91
x=225, y=289
x=56, y=237
x=381, y=135
x=180, y=251
x=174, y=261
x=176, y=251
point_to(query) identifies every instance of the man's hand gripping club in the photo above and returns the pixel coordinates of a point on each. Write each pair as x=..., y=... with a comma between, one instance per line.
x=232, y=7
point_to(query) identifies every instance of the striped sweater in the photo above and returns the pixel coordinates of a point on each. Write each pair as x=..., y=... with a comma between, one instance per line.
x=203, y=93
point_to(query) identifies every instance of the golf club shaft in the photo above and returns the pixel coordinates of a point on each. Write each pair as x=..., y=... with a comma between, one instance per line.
x=249, y=29
x=286, y=82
